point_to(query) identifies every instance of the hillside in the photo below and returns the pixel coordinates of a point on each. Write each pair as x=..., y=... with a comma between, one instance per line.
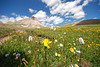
x=84, y=22
x=87, y=22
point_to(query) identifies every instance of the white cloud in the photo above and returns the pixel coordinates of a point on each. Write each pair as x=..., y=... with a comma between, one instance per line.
x=95, y=18
x=4, y=19
x=55, y=19
x=86, y=2
x=12, y=19
x=14, y=14
x=70, y=9
x=51, y=2
x=18, y=18
x=31, y=10
x=42, y=17
x=21, y=17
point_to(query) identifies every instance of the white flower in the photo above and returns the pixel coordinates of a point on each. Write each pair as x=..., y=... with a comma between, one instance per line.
x=61, y=37
x=29, y=51
x=51, y=27
x=56, y=54
x=23, y=59
x=55, y=40
x=61, y=45
x=74, y=52
x=38, y=27
x=16, y=57
x=29, y=47
x=14, y=53
x=54, y=29
x=74, y=44
x=6, y=55
x=76, y=65
x=78, y=51
x=78, y=60
x=74, y=48
x=30, y=38
x=64, y=32
x=71, y=65
x=81, y=41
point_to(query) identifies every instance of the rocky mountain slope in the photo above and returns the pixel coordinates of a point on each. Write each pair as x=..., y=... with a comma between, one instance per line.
x=29, y=22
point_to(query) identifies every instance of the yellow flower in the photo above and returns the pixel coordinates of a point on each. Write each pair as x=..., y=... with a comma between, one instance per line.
x=11, y=40
x=71, y=49
x=88, y=46
x=58, y=45
x=46, y=42
x=59, y=55
x=48, y=47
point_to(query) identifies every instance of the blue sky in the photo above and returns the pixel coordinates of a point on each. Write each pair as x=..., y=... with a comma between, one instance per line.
x=50, y=12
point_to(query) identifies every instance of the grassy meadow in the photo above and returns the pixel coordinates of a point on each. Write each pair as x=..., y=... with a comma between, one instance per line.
x=51, y=48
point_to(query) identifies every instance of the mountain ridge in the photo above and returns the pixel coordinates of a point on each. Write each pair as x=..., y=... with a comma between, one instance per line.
x=28, y=22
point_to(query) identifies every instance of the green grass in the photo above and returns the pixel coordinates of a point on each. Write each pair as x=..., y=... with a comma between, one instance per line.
x=44, y=57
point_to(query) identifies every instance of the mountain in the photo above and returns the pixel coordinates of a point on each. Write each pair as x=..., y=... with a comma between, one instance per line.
x=29, y=22
x=84, y=22
x=87, y=22
x=1, y=22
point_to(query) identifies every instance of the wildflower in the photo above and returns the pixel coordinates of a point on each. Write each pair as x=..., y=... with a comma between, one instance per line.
x=46, y=42
x=76, y=39
x=55, y=40
x=61, y=45
x=56, y=54
x=78, y=51
x=48, y=47
x=23, y=59
x=17, y=55
x=78, y=60
x=59, y=55
x=30, y=38
x=74, y=52
x=76, y=65
x=64, y=32
x=74, y=44
x=81, y=41
x=61, y=37
x=11, y=40
x=71, y=49
x=38, y=50
x=29, y=51
x=51, y=27
x=74, y=48
x=38, y=27
x=29, y=47
x=88, y=46
x=6, y=55
x=71, y=65
x=54, y=29
x=14, y=53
